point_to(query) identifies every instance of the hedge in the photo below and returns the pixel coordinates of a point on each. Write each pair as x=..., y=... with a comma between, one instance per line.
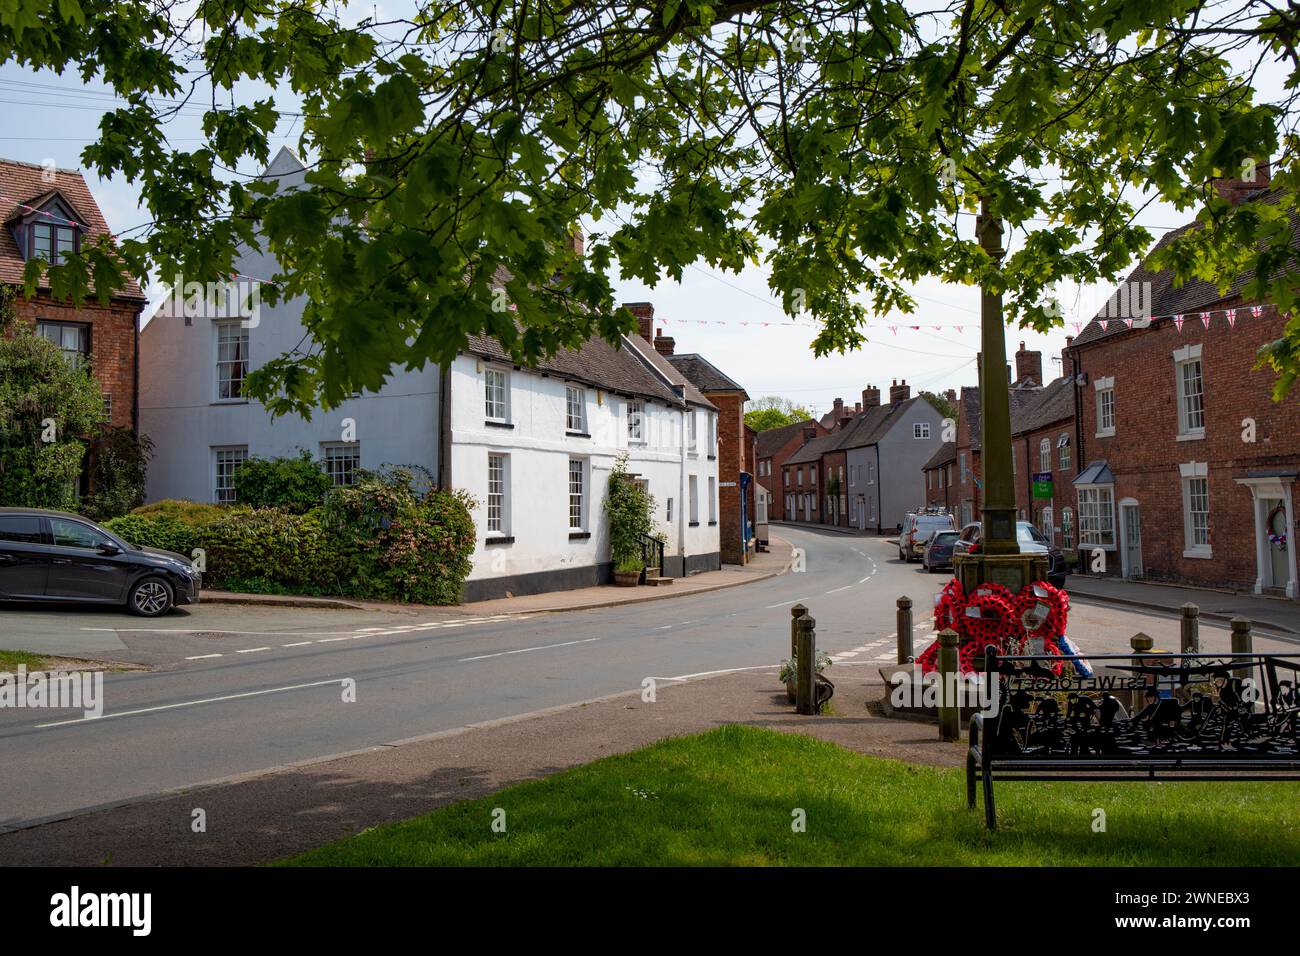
x=382, y=538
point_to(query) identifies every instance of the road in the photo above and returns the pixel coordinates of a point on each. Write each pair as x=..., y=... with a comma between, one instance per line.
x=239, y=690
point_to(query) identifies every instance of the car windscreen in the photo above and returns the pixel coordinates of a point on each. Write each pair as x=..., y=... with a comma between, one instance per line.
x=932, y=524
x=945, y=537
x=1028, y=534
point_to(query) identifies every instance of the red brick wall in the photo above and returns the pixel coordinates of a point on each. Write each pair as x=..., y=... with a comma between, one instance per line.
x=938, y=492
x=112, y=343
x=731, y=462
x=1144, y=453
x=1025, y=450
x=775, y=482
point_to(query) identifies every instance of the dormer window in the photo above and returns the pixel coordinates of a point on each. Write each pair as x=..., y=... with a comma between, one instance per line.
x=52, y=241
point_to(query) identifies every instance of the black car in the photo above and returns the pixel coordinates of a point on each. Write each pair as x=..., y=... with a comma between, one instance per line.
x=938, y=550
x=54, y=556
x=1030, y=539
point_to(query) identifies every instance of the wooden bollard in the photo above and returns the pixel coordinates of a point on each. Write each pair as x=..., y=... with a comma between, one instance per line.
x=1191, y=633
x=805, y=694
x=904, y=629
x=950, y=705
x=1242, y=644
x=796, y=612
x=1141, y=644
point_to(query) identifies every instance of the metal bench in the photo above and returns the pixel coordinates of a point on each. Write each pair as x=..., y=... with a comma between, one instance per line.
x=1142, y=717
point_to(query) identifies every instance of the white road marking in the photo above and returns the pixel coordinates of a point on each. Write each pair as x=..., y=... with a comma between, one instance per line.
x=526, y=650
x=201, y=657
x=837, y=590
x=297, y=644
x=729, y=670
x=785, y=603
x=251, y=650
x=331, y=640
x=195, y=703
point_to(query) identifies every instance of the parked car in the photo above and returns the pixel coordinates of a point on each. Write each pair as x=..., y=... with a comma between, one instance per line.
x=1030, y=539
x=917, y=529
x=59, y=557
x=938, y=551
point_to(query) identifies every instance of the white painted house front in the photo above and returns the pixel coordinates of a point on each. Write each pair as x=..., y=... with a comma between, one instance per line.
x=533, y=446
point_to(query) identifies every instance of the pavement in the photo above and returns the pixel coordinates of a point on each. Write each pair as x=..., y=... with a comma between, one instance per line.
x=1278, y=614
x=763, y=565
x=269, y=816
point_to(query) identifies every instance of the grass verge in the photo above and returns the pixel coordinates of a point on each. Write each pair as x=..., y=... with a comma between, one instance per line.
x=730, y=796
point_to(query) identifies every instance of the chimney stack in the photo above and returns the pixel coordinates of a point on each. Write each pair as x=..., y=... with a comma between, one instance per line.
x=839, y=409
x=843, y=422
x=664, y=344
x=951, y=396
x=870, y=397
x=645, y=319
x=857, y=408
x=809, y=433
x=1236, y=189
x=899, y=392
x=576, y=242
x=1065, y=355
x=1029, y=367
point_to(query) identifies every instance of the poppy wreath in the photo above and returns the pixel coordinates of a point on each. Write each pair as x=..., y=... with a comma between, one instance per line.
x=997, y=620
x=1057, y=601
x=952, y=599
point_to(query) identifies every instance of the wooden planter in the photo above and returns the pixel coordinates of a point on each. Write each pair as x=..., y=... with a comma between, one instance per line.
x=627, y=579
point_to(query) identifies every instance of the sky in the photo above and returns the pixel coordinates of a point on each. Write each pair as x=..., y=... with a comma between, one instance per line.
x=45, y=117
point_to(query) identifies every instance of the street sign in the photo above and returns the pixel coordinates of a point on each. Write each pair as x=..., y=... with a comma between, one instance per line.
x=1042, y=484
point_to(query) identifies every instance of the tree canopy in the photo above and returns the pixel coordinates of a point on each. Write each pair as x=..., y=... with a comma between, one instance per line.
x=772, y=411
x=845, y=146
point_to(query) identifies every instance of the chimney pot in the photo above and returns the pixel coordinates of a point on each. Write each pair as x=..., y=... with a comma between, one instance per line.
x=1029, y=367
x=870, y=397
x=899, y=393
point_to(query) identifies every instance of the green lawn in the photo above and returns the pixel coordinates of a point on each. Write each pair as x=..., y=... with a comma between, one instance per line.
x=727, y=796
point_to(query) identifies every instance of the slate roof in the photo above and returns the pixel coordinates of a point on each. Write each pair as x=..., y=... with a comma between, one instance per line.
x=596, y=363
x=1031, y=408
x=22, y=183
x=660, y=366
x=946, y=455
x=704, y=375
x=813, y=450
x=770, y=441
x=1197, y=295
x=867, y=428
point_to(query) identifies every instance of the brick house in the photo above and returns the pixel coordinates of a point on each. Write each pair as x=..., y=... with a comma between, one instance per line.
x=940, y=473
x=1042, y=443
x=1186, y=465
x=773, y=450
x=731, y=448
x=47, y=212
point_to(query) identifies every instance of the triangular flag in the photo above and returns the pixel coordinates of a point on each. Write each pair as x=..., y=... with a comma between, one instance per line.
x=1256, y=311
x=959, y=328
x=894, y=329
x=1129, y=323
x=1205, y=319
x=915, y=328
x=1232, y=318
x=937, y=328
x=1178, y=322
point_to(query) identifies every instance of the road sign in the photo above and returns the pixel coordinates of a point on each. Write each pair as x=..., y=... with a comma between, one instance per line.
x=1042, y=484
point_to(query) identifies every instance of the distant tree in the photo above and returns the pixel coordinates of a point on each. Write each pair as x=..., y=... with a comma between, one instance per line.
x=772, y=411
x=946, y=408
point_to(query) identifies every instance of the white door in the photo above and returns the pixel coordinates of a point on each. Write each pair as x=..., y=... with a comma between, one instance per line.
x=1130, y=516
x=1276, y=541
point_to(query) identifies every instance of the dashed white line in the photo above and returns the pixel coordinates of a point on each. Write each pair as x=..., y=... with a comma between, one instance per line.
x=526, y=650
x=201, y=657
x=251, y=650
x=837, y=590
x=297, y=644
x=194, y=703
x=784, y=604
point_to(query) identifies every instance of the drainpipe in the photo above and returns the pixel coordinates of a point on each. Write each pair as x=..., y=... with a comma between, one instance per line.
x=880, y=505
x=135, y=378
x=682, y=503
x=444, y=426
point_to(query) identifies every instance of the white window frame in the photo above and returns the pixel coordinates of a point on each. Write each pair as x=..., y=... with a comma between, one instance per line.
x=1105, y=388
x=1044, y=455
x=691, y=427
x=497, y=505
x=713, y=438
x=1184, y=359
x=693, y=497
x=225, y=333
x=1093, y=521
x=579, y=497
x=921, y=430
x=1064, y=457
x=496, y=395
x=221, y=454
x=329, y=457
x=635, y=422
x=1067, y=527
x=1191, y=474
x=713, y=500
x=575, y=409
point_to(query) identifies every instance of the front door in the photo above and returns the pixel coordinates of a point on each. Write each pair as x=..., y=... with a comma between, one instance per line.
x=1277, y=541
x=1132, y=541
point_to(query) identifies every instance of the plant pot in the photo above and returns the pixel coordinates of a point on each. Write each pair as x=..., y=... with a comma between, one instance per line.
x=627, y=579
x=790, y=691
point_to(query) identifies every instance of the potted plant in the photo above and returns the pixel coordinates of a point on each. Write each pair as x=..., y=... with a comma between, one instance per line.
x=789, y=674
x=630, y=510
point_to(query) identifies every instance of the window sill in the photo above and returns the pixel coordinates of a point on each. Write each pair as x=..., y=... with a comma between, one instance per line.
x=1200, y=554
x=1106, y=434
x=230, y=401
x=713, y=457
x=491, y=424
x=712, y=524
x=692, y=524
x=1191, y=436
x=579, y=535
x=508, y=539
x=570, y=434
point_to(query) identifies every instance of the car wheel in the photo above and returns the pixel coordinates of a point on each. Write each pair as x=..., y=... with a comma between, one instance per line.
x=150, y=597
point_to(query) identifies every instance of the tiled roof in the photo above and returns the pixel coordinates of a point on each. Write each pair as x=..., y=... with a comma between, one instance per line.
x=814, y=449
x=23, y=183
x=1197, y=295
x=597, y=363
x=704, y=375
x=946, y=454
x=660, y=367
x=1052, y=403
x=771, y=440
x=866, y=428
